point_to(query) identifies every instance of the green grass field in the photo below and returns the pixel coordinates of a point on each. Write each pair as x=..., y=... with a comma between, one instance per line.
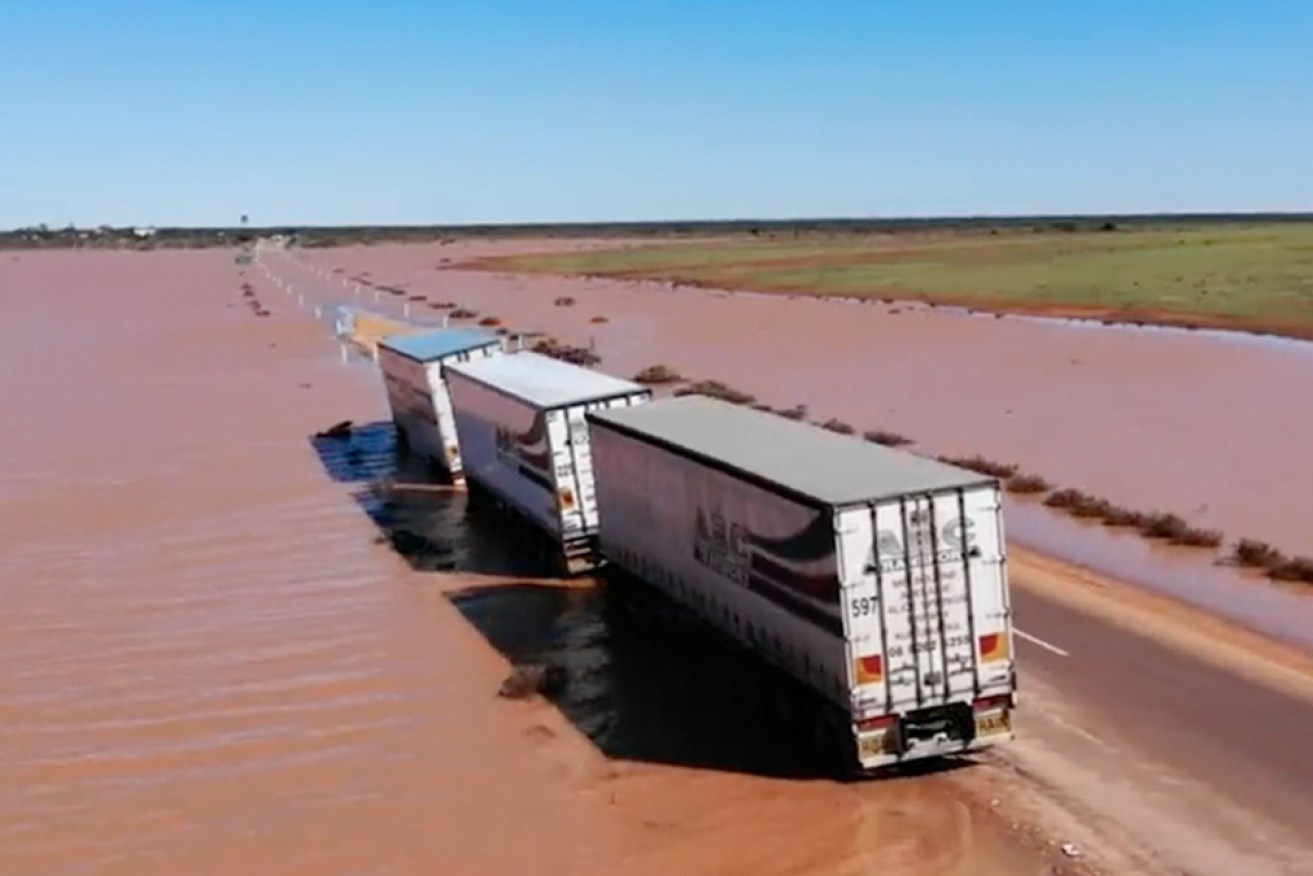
x=1251, y=277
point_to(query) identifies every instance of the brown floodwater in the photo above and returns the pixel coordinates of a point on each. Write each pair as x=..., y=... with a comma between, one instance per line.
x=209, y=664
x=227, y=649
x=1211, y=426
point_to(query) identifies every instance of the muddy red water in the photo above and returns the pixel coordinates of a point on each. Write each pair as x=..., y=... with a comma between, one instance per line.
x=1213, y=428
x=211, y=664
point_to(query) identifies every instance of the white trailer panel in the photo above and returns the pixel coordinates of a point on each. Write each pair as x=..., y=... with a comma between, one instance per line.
x=873, y=576
x=525, y=441
x=412, y=366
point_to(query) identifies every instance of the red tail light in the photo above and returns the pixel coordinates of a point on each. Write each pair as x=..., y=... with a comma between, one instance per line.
x=993, y=646
x=880, y=722
x=869, y=669
x=984, y=704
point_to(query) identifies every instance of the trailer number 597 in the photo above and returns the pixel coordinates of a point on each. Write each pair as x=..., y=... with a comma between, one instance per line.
x=865, y=605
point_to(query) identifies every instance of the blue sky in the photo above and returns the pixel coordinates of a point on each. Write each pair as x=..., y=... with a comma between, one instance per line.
x=578, y=110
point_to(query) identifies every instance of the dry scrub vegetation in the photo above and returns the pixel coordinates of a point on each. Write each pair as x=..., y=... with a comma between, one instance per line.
x=836, y=425
x=716, y=389
x=886, y=439
x=1254, y=554
x=656, y=375
x=566, y=353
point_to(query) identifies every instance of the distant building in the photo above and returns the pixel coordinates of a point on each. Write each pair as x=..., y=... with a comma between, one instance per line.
x=148, y=231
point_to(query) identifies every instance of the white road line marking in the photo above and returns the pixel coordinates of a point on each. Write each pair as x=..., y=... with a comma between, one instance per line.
x=1035, y=640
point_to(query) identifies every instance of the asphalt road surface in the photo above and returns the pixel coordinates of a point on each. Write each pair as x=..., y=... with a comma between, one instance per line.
x=1202, y=769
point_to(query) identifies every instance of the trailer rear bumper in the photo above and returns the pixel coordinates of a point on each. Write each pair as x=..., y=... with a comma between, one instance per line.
x=581, y=555
x=957, y=728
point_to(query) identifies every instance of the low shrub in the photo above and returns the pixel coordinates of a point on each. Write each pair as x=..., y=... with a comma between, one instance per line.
x=797, y=412
x=1256, y=554
x=1163, y=525
x=464, y=313
x=716, y=389
x=490, y=321
x=658, y=374
x=980, y=465
x=1090, y=507
x=1065, y=498
x=1205, y=538
x=566, y=353
x=836, y=425
x=598, y=320
x=1118, y=516
x=1294, y=569
x=564, y=301
x=1026, y=484
x=887, y=439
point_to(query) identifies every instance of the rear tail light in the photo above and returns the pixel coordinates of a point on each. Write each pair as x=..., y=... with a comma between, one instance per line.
x=993, y=646
x=869, y=669
x=880, y=722
x=567, y=498
x=985, y=704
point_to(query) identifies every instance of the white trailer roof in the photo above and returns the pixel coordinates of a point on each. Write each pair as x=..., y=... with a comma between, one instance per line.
x=433, y=345
x=543, y=381
x=799, y=458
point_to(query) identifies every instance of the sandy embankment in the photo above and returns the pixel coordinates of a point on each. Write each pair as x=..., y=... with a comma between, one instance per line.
x=212, y=667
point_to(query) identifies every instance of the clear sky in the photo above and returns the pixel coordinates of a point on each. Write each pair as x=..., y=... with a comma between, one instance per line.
x=382, y=111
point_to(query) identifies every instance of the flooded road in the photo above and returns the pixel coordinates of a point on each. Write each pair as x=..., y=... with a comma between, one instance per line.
x=1205, y=426
x=210, y=666
x=222, y=654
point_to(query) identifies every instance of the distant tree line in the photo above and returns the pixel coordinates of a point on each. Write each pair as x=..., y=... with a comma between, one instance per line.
x=106, y=237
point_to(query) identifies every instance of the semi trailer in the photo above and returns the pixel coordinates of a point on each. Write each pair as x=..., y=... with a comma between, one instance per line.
x=874, y=578
x=412, y=366
x=525, y=444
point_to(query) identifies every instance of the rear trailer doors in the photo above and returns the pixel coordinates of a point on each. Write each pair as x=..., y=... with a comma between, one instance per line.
x=926, y=612
x=572, y=462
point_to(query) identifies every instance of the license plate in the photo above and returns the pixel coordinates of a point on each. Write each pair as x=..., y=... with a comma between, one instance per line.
x=993, y=724
x=870, y=746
